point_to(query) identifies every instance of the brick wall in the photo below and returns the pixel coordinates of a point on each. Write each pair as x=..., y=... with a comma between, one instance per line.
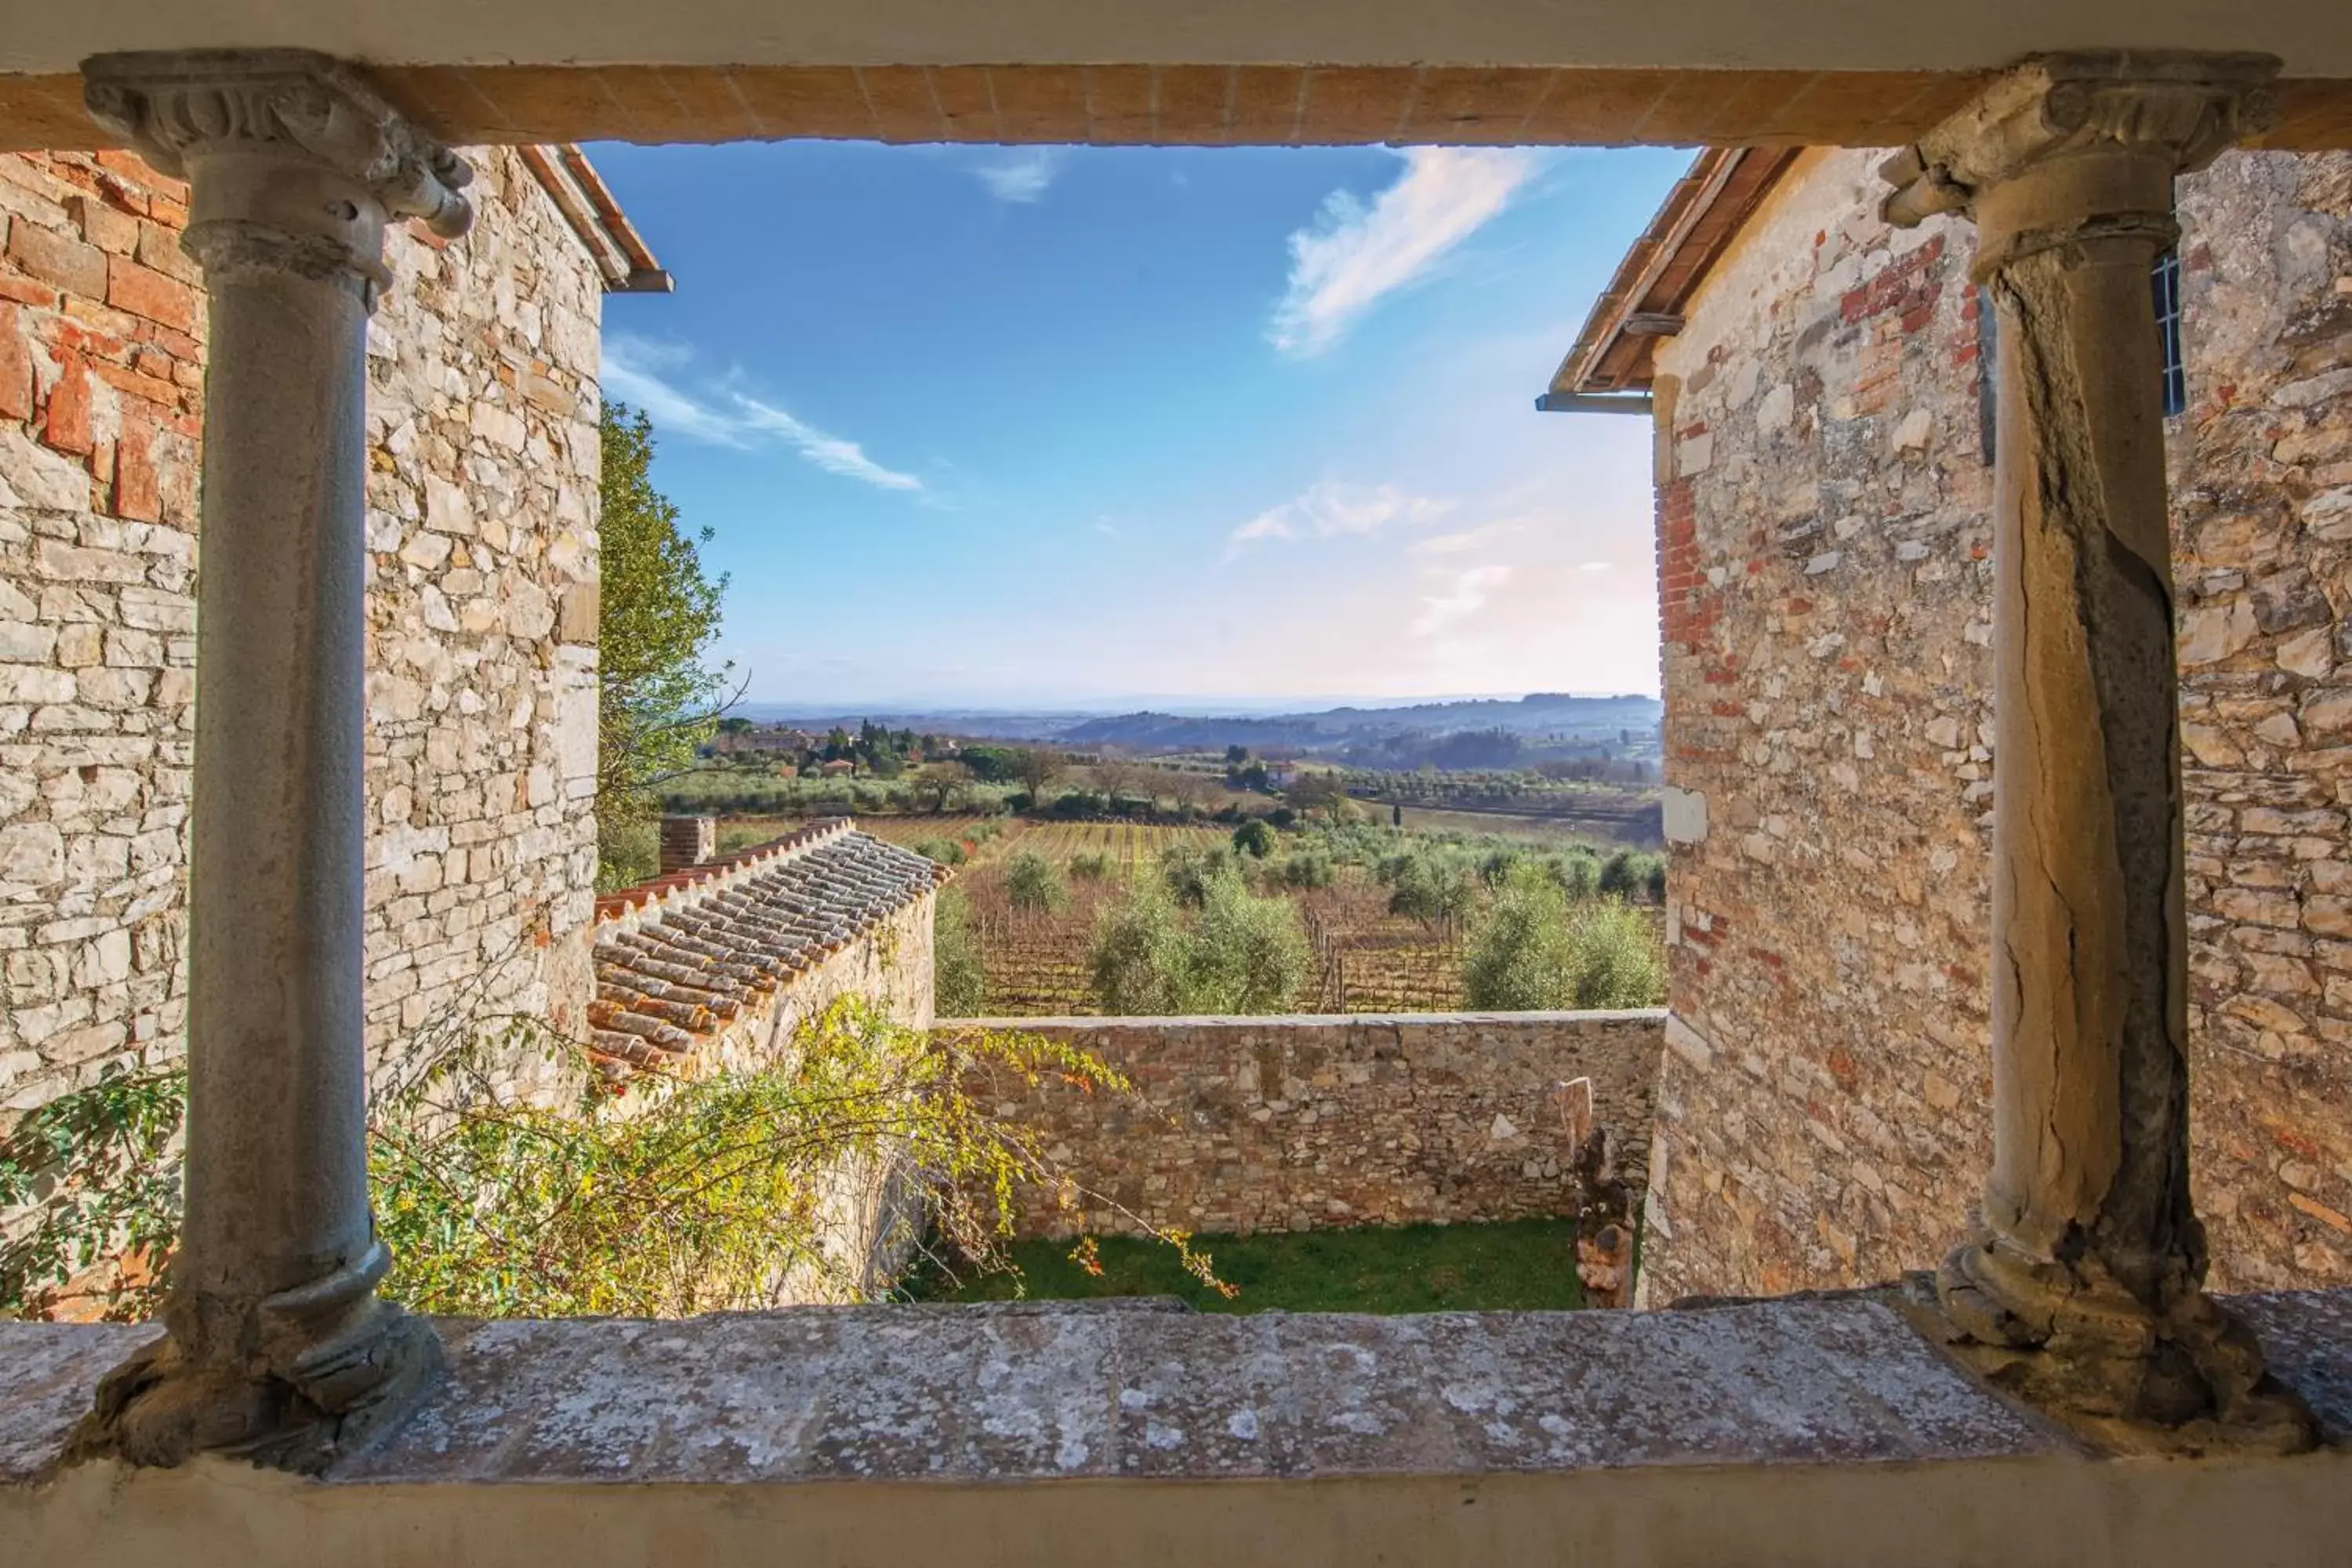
x=1295, y=1123
x=101, y=408
x=1823, y=550
x=481, y=709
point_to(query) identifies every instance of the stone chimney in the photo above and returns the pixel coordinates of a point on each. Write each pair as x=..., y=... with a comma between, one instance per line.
x=687, y=841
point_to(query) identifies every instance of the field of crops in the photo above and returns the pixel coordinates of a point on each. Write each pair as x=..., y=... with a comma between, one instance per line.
x=1366, y=960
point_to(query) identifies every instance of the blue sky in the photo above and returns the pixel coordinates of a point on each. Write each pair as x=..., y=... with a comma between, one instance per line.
x=1013, y=428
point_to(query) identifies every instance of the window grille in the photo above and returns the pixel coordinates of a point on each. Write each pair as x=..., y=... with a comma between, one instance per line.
x=2166, y=280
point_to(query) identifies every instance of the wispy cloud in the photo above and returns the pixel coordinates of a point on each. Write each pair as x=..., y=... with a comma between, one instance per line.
x=642, y=372
x=1355, y=254
x=1458, y=596
x=1470, y=539
x=1330, y=510
x=1023, y=175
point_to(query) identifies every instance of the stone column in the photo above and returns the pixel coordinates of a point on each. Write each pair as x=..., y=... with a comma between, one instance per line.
x=279, y=1347
x=2084, y=1285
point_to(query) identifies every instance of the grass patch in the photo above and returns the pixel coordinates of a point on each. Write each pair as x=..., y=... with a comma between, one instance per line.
x=1514, y=1265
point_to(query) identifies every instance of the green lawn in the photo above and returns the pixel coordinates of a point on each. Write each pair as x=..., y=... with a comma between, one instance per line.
x=1520, y=1265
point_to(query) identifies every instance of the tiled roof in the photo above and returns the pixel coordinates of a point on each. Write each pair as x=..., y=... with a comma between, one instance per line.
x=681, y=957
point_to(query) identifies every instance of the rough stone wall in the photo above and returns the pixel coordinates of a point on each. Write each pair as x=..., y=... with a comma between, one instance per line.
x=481, y=602
x=1824, y=585
x=1297, y=1123
x=2261, y=469
x=482, y=500
x=1826, y=620
x=100, y=384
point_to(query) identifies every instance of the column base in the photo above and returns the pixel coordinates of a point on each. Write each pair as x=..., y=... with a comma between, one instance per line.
x=333, y=1373
x=2070, y=1339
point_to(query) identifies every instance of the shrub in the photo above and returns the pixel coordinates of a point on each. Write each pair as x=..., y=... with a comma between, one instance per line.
x=1242, y=954
x=1435, y=889
x=1631, y=871
x=1137, y=960
x=958, y=972
x=1187, y=872
x=1282, y=816
x=1307, y=869
x=1534, y=951
x=1253, y=838
x=1091, y=866
x=1494, y=865
x=946, y=851
x=1520, y=959
x=1619, y=961
x=1248, y=954
x=1035, y=884
x=698, y=1194
x=1578, y=873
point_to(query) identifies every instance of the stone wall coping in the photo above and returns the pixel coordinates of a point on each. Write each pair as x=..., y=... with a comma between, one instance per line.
x=1023, y=1392
x=1656, y=1015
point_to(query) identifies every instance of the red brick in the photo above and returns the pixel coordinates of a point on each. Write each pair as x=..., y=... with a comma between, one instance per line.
x=28, y=292
x=58, y=258
x=154, y=389
x=143, y=292
x=68, y=426
x=138, y=491
x=107, y=228
x=15, y=367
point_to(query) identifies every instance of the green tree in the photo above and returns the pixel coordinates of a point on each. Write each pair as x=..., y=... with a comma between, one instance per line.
x=1248, y=954
x=958, y=971
x=1253, y=838
x=1138, y=958
x=657, y=614
x=1534, y=951
x=1242, y=954
x=1035, y=884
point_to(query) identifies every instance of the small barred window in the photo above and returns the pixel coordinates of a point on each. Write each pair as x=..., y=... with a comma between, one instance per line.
x=2166, y=279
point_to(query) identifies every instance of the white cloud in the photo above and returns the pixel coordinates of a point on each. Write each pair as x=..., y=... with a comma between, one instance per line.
x=1356, y=254
x=1330, y=510
x=1458, y=596
x=1023, y=175
x=1470, y=539
x=1597, y=566
x=633, y=373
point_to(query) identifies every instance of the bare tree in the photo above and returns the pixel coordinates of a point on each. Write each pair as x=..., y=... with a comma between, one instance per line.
x=1038, y=767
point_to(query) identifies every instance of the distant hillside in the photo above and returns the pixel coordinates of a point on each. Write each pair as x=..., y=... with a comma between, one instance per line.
x=1544, y=717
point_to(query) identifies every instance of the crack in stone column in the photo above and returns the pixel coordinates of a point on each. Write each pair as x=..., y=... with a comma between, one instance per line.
x=2082, y=1287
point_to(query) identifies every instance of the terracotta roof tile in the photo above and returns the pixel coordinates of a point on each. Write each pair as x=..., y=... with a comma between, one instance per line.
x=683, y=955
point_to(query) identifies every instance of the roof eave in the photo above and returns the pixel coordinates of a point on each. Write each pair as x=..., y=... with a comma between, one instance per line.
x=1645, y=302
x=595, y=219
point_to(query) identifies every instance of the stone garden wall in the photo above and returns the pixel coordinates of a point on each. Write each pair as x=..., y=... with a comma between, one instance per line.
x=1823, y=491
x=482, y=605
x=1297, y=1123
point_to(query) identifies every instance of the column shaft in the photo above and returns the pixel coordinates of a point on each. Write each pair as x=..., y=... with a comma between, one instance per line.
x=279, y=1349
x=2084, y=1282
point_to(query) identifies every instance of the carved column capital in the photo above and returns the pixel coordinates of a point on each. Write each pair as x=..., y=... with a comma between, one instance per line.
x=307, y=163
x=2080, y=145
